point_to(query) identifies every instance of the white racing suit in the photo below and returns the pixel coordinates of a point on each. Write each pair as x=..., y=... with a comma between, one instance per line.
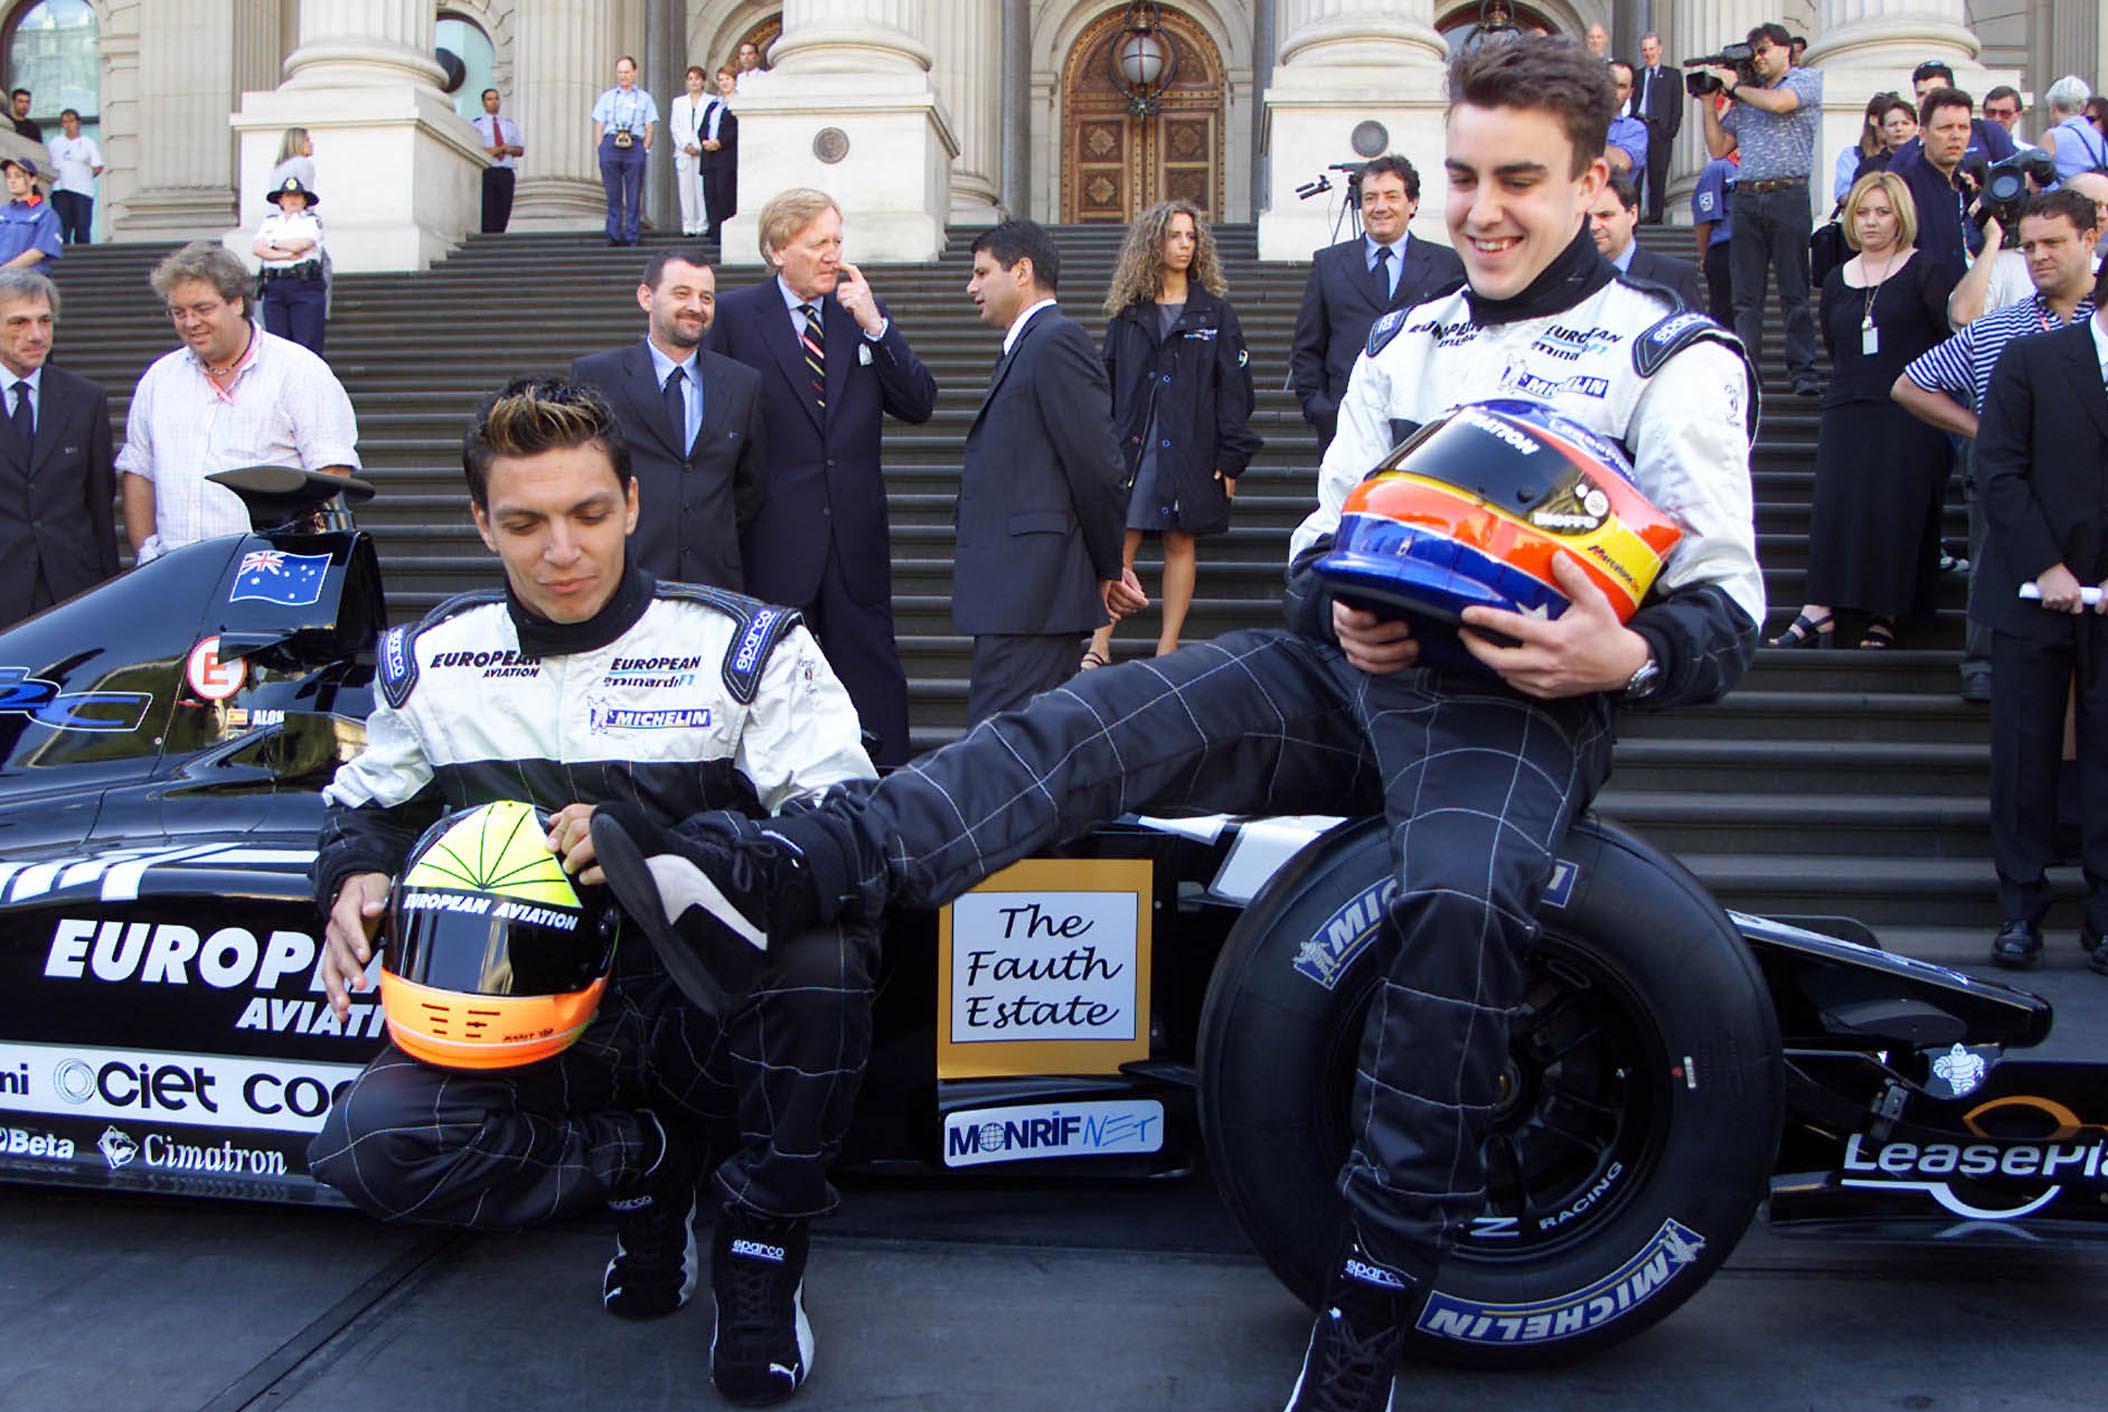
x=684, y=700
x=1479, y=782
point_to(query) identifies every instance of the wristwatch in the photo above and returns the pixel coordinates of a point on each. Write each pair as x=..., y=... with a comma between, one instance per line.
x=1644, y=682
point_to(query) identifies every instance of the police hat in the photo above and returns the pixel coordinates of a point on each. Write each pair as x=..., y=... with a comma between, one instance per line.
x=292, y=186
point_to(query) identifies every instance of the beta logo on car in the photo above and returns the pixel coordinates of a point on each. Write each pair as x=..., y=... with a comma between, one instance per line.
x=1031, y=1131
x=213, y=1090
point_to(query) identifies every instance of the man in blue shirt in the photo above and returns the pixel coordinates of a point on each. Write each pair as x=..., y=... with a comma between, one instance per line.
x=29, y=228
x=1713, y=217
x=1939, y=181
x=624, y=121
x=1628, y=132
x=1773, y=126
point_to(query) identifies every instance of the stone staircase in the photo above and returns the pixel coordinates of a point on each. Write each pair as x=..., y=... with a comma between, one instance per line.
x=1831, y=783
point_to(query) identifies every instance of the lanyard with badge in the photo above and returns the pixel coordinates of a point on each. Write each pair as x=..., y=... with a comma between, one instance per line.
x=1869, y=332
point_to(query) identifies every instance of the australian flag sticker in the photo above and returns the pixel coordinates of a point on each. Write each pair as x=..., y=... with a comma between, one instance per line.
x=274, y=576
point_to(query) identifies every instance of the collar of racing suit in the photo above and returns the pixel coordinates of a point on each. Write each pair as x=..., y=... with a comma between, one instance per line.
x=1576, y=273
x=541, y=638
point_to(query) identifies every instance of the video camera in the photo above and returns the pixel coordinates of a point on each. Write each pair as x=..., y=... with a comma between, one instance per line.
x=1323, y=183
x=2004, y=185
x=1739, y=57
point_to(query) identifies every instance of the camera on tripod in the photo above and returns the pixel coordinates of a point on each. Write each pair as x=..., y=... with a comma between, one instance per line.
x=2004, y=185
x=1739, y=57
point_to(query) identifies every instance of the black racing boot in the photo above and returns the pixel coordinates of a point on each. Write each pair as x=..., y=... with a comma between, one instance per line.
x=1354, y=1347
x=762, y=1348
x=655, y=1266
x=708, y=896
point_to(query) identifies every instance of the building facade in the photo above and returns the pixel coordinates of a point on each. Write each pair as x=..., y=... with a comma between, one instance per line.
x=914, y=113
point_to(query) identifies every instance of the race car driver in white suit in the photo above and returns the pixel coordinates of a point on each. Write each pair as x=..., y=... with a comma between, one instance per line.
x=1479, y=770
x=580, y=682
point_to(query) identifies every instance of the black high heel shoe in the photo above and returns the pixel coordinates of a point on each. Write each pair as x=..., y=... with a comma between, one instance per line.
x=1881, y=632
x=1807, y=632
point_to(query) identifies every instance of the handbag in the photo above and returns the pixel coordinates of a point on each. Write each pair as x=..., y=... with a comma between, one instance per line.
x=1827, y=248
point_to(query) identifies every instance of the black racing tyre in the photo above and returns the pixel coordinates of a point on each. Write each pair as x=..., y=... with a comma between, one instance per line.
x=1641, y=1113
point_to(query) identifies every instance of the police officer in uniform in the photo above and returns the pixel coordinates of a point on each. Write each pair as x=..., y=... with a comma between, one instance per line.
x=289, y=242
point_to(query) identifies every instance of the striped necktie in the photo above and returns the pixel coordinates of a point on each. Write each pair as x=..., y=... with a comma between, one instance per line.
x=814, y=340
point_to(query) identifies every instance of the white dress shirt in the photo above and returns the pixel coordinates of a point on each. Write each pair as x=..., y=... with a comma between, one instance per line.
x=1017, y=325
x=495, y=128
x=284, y=408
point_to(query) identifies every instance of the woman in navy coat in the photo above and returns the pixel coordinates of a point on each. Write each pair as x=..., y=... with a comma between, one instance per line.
x=1182, y=398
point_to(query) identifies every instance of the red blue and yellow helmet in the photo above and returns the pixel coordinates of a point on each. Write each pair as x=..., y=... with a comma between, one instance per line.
x=1473, y=508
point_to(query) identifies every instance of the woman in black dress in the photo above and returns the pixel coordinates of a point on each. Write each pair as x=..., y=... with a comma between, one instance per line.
x=1182, y=398
x=1880, y=473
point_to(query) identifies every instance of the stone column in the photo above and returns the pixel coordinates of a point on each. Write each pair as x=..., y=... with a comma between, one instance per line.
x=1017, y=108
x=397, y=170
x=564, y=53
x=1864, y=47
x=665, y=45
x=1343, y=62
x=847, y=106
x=966, y=68
x=184, y=67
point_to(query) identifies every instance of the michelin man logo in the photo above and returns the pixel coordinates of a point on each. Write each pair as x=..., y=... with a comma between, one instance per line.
x=1960, y=1070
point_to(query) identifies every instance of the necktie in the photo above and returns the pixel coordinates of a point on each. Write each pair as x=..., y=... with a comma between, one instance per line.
x=1646, y=92
x=677, y=409
x=25, y=427
x=1383, y=274
x=814, y=341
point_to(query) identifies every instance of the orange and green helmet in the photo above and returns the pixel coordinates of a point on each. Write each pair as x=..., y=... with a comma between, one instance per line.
x=493, y=958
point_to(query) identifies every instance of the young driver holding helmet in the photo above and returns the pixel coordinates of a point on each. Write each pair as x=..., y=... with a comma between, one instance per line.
x=1479, y=768
x=583, y=681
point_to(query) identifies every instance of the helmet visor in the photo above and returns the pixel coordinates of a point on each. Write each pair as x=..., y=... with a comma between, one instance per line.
x=474, y=943
x=1510, y=460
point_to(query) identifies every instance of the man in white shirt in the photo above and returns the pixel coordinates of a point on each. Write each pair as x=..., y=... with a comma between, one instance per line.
x=232, y=395
x=78, y=162
x=685, y=120
x=501, y=140
x=625, y=119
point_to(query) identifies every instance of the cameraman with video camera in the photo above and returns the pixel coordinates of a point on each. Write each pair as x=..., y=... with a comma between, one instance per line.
x=1773, y=126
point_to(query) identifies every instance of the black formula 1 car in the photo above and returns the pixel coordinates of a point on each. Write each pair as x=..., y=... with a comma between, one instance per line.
x=1162, y=988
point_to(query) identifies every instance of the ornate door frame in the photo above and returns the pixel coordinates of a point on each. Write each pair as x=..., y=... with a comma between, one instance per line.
x=1115, y=163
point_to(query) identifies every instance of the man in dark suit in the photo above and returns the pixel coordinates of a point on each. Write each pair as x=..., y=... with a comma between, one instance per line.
x=1355, y=281
x=2042, y=475
x=58, y=484
x=831, y=363
x=693, y=420
x=1042, y=504
x=1611, y=219
x=721, y=157
x=1657, y=101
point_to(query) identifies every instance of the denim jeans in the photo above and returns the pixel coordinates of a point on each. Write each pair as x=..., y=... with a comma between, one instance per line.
x=1771, y=230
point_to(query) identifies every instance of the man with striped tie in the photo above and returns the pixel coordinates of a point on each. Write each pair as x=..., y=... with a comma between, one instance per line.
x=832, y=364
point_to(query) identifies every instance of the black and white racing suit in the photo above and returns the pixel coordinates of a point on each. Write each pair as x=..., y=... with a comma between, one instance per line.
x=683, y=700
x=1479, y=781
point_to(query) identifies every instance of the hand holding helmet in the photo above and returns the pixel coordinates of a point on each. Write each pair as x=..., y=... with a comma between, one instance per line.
x=494, y=958
x=1516, y=515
